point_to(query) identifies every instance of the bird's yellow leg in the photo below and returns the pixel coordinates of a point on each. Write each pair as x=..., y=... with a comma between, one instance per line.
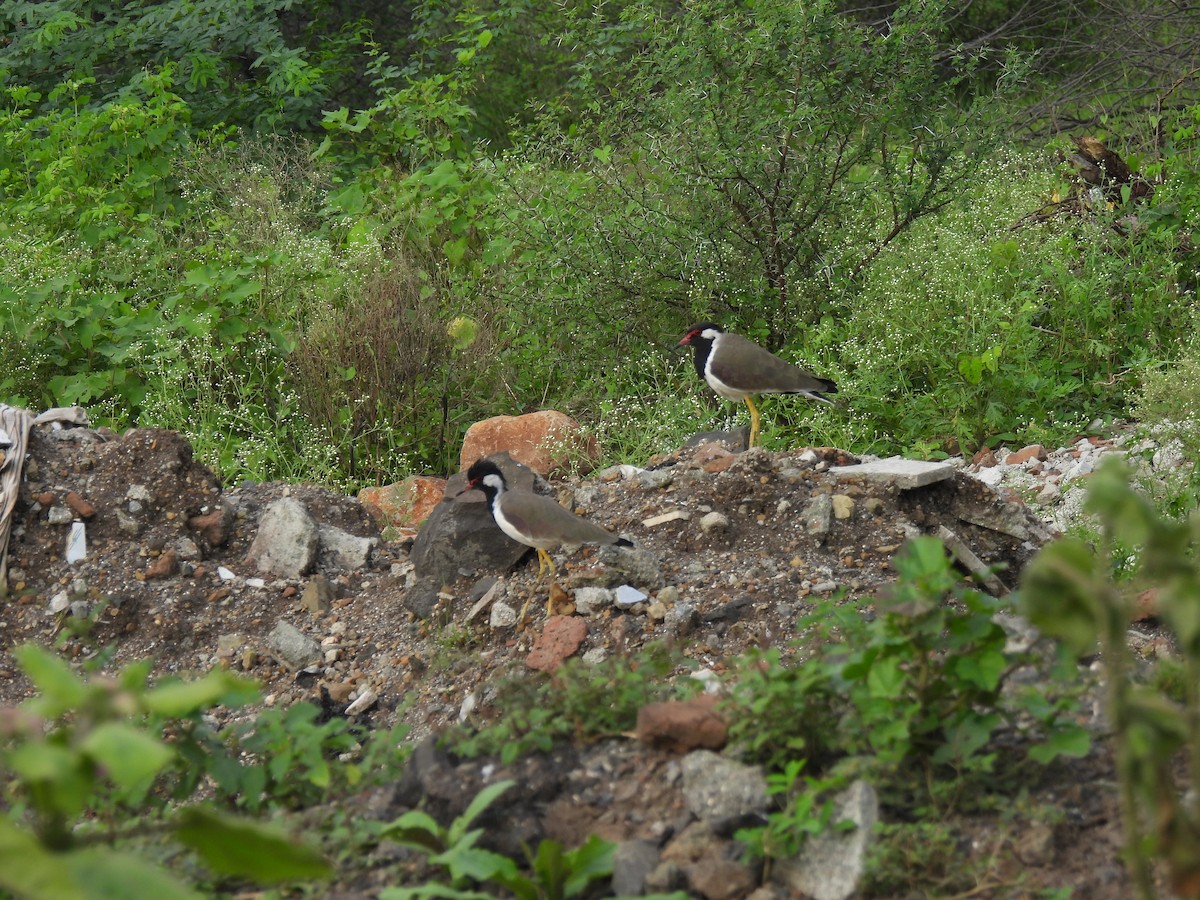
x=753, y=422
x=544, y=563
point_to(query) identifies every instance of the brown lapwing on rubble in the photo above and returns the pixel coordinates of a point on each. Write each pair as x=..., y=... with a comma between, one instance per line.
x=534, y=520
x=737, y=368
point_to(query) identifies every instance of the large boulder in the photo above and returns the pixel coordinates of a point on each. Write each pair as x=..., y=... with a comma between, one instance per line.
x=405, y=504
x=547, y=441
x=460, y=537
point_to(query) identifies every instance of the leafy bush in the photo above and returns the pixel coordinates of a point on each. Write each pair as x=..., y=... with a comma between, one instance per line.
x=251, y=64
x=743, y=156
x=922, y=683
x=1048, y=324
x=1071, y=592
x=554, y=873
x=579, y=701
x=82, y=757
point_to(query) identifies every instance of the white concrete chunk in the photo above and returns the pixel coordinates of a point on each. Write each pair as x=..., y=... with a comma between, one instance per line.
x=904, y=473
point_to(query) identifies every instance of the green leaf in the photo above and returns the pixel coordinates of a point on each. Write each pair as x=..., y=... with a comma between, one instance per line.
x=30, y=871
x=182, y=698
x=885, y=678
x=60, y=687
x=482, y=801
x=434, y=892
x=109, y=875
x=416, y=828
x=1065, y=740
x=1063, y=594
x=51, y=764
x=592, y=860
x=982, y=668
x=131, y=757
x=475, y=863
x=233, y=846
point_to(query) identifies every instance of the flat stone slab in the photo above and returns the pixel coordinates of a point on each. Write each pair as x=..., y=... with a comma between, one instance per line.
x=904, y=473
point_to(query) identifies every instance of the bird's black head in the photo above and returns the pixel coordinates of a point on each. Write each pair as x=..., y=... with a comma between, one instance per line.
x=486, y=476
x=701, y=334
x=700, y=337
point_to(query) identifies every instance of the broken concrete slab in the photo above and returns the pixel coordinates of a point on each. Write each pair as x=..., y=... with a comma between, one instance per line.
x=831, y=864
x=906, y=474
x=971, y=561
x=1012, y=519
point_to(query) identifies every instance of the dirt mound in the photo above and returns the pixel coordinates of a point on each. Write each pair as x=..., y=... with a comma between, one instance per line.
x=744, y=544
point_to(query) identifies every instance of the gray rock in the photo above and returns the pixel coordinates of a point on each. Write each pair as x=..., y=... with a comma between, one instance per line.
x=626, y=596
x=668, y=595
x=1070, y=511
x=286, y=543
x=421, y=597
x=589, y=600
x=364, y=702
x=186, y=548
x=295, y=648
x=904, y=473
x=655, y=478
x=717, y=789
x=60, y=515
x=338, y=549
x=503, y=615
x=831, y=864
x=60, y=602
x=631, y=565
x=1085, y=465
x=735, y=440
x=483, y=594
x=1049, y=493
x=682, y=619
x=139, y=493
x=318, y=596
x=714, y=521
x=461, y=537
x=818, y=514
x=991, y=476
x=1168, y=457
x=229, y=644
x=633, y=862
x=1007, y=518
x=128, y=523
x=585, y=496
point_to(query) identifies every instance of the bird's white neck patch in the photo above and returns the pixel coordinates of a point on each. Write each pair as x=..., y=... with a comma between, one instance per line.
x=494, y=481
x=710, y=334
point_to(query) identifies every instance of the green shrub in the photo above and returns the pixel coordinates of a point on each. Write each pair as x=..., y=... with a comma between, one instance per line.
x=968, y=331
x=580, y=701
x=238, y=63
x=87, y=755
x=918, y=688
x=1072, y=592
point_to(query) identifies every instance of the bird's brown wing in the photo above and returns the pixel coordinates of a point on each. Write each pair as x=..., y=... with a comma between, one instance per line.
x=548, y=524
x=745, y=366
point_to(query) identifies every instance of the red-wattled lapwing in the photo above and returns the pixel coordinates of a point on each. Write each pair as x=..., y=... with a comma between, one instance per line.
x=737, y=368
x=534, y=520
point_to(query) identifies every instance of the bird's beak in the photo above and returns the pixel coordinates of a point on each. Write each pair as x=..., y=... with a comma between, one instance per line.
x=683, y=342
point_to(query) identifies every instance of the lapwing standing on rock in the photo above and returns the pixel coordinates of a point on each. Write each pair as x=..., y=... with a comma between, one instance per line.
x=534, y=520
x=737, y=368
